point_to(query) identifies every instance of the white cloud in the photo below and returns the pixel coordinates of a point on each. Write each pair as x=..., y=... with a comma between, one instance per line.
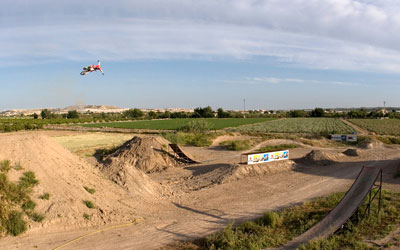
x=327, y=34
x=281, y=80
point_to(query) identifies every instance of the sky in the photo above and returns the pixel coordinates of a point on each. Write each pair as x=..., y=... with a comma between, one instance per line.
x=274, y=54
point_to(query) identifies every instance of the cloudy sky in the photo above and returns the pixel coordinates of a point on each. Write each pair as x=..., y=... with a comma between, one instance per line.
x=276, y=54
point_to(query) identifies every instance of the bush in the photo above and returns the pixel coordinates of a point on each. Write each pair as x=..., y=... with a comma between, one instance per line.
x=28, y=205
x=45, y=196
x=89, y=204
x=389, y=139
x=270, y=219
x=37, y=217
x=15, y=224
x=236, y=145
x=89, y=190
x=86, y=216
x=193, y=139
x=197, y=126
x=277, y=147
x=5, y=166
x=28, y=180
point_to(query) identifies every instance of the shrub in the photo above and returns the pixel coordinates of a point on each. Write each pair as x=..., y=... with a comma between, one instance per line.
x=45, y=196
x=37, y=217
x=89, y=204
x=28, y=205
x=5, y=166
x=89, y=190
x=236, y=145
x=270, y=219
x=28, y=180
x=277, y=147
x=86, y=216
x=197, y=126
x=15, y=224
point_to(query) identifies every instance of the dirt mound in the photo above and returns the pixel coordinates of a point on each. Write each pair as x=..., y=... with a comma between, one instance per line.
x=352, y=152
x=64, y=175
x=239, y=171
x=319, y=158
x=224, y=173
x=143, y=153
x=370, y=143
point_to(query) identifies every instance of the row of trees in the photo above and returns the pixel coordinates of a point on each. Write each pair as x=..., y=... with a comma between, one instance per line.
x=208, y=112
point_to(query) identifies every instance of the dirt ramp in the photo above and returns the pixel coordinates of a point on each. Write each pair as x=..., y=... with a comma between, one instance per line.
x=64, y=175
x=238, y=171
x=144, y=153
x=317, y=157
x=353, y=152
x=224, y=173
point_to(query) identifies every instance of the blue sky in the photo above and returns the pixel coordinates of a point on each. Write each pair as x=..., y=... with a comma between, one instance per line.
x=284, y=54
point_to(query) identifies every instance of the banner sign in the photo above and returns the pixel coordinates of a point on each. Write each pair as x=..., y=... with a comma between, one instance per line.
x=352, y=137
x=267, y=157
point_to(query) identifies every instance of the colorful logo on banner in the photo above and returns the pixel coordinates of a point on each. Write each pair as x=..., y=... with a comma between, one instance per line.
x=267, y=157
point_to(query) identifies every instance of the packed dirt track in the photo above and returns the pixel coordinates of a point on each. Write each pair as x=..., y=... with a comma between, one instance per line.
x=146, y=199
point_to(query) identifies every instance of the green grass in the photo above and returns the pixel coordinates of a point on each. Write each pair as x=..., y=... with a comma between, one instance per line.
x=15, y=223
x=37, y=217
x=16, y=202
x=389, y=139
x=89, y=190
x=176, y=124
x=238, y=145
x=28, y=180
x=380, y=127
x=5, y=166
x=89, y=204
x=270, y=148
x=321, y=126
x=275, y=229
x=28, y=205
x=192, y=139
x=45, y=196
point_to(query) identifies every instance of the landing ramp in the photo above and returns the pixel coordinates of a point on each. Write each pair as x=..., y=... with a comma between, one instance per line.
x=343, y=210
x=181, y=155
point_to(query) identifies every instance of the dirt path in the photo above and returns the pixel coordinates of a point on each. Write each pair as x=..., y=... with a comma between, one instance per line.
x=359, y=130
x=198, y=213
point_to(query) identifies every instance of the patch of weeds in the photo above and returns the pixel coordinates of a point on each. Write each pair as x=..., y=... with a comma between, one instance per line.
x=89, y=190
x=18, y=167
x=28, y=180
x=14, y=197
x=37, y=217
x=275, y=229
x=15, y=223
x=89, y=204
x=45, y=196
x=193, y=139
x=238, y=145
x=5, y=166
x=102, y=152
x=270, y=148
x=28, y=205
x=86, y=216
x=389, y=139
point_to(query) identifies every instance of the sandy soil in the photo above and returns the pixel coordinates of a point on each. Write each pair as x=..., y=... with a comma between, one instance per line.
x=178, y=203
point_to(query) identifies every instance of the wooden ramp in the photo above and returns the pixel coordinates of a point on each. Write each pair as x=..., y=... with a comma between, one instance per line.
x=179, y=154
x=343, y=210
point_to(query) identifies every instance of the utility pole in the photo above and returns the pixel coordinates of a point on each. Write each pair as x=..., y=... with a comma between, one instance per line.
x=244, y=108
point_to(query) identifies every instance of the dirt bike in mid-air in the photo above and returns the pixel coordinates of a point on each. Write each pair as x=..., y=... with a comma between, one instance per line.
x=92, y=68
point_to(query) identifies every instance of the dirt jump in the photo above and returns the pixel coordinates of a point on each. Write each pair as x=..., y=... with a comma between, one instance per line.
x=145, y=199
